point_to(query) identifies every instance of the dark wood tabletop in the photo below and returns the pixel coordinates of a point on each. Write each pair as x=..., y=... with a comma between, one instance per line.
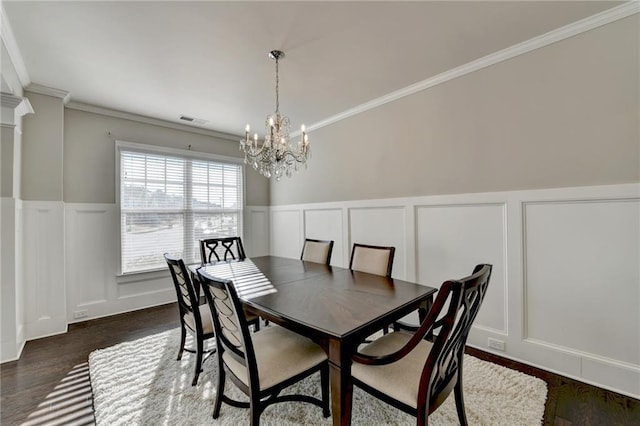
x=335, y=307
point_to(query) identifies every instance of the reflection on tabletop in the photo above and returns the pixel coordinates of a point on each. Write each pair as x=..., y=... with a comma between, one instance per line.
x=248, y=280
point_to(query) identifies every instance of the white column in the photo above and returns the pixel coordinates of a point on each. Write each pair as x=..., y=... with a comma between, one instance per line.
x=11, y=294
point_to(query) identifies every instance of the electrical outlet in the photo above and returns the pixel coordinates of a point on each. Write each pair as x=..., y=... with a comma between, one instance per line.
x=81, y=314
x=495, y=344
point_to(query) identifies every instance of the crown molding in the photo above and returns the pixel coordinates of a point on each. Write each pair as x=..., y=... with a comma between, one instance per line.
x=149, y=120
x=49, y=91
x=13, y=107
x=603, y=18
x=20, y=105
x=10, y=43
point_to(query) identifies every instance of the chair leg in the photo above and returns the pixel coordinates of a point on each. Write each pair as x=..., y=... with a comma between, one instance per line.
x=183, y=339
x=217, y=402
x=457, y=391
x=254, y=411
x=198, y=367
x=324, y=384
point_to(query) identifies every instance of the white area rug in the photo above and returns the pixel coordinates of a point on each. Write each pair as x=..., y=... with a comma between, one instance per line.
x=141, y=383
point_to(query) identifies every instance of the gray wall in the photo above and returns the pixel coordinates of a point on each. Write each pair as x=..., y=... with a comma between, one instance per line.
x=42, y=142
x=6, y=162
x=89, y=154
x=564, y=115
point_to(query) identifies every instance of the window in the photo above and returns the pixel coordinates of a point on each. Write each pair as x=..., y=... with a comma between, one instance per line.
x=170, y=199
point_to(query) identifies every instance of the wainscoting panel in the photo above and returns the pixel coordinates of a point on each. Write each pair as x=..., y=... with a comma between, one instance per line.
x=381, y=226
x=452, y=239
x=326, y=224
x=581, y=273
x=92, y=252
x=94, y=288
x=91, y=257
x=565, y=289
x=44, y=269
x=286, y=233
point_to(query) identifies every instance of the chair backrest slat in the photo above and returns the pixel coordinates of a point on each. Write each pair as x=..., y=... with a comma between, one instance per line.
x=221, y=249
x=185, y=291
x=229, y=320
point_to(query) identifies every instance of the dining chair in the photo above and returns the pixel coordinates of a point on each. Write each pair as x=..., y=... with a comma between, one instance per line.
x=194, y=317
x=318, y=251
x=376, y=260
x=417, y=375
x=261, y=364
x=221, y=249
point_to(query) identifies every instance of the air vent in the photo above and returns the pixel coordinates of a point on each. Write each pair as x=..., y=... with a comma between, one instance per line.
x=192, y=120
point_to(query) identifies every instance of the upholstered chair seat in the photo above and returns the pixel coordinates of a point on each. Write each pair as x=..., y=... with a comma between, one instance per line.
x=401, y=379
x=280, y=355
x=205, y=315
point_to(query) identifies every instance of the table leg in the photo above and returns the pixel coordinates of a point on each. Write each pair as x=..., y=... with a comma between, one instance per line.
x=340, y=379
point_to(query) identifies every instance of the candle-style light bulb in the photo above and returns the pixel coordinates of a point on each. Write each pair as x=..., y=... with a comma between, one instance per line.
x=247, y=128
x=271, y=121
x=302, y=128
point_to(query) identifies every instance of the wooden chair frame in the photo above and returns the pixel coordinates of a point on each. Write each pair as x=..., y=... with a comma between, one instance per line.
x=442, y=371
x=188, y=305
x=208, y=248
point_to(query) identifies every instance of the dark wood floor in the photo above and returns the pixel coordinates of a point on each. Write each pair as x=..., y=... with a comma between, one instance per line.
x=50, y=385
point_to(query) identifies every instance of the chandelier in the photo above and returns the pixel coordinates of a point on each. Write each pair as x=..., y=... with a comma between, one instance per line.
x=277, y=155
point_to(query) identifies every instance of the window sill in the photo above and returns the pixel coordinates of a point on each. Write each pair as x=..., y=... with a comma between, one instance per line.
x=134, y=277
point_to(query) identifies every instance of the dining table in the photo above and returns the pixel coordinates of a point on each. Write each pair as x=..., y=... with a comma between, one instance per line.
x=336, y=307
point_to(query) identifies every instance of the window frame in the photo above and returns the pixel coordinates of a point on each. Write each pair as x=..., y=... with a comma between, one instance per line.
x=121, y=145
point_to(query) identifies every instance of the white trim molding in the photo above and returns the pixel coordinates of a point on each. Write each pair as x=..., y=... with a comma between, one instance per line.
x=614, y=14
x=49, y=91
x=150, y=120
x=14, y=107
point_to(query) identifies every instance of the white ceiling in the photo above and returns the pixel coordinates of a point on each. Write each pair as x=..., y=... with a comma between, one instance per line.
x=209, y=59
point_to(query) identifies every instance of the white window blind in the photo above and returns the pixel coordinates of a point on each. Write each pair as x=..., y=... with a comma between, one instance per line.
x=169, y=202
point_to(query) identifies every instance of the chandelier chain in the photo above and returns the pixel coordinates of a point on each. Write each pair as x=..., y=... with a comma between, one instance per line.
x=277, y=88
